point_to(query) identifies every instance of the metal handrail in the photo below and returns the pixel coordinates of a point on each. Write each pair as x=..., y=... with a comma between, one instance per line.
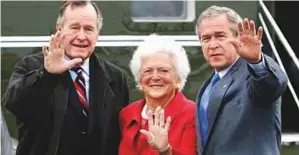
x=106, y=41
x=278, y=58
x=279, y=34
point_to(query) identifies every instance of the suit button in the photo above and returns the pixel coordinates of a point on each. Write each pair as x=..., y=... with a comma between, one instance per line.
x=83, y=133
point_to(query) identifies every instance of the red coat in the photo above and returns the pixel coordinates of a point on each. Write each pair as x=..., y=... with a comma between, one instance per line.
x=182, y=132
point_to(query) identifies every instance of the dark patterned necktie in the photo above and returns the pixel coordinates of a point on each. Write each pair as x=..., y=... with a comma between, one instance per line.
x=80, y=86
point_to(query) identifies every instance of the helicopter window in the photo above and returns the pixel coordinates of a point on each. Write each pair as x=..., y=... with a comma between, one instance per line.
x=163, y=11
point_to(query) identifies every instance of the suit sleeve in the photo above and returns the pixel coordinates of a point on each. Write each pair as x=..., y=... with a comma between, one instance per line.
x=29, y=89
x=268, y=87
x=188, y=140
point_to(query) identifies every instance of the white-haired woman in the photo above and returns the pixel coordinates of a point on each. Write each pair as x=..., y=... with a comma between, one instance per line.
x=163, y=122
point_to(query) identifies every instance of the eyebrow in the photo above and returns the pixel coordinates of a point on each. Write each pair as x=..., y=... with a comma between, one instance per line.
x=219, y=32
x=156, y=68
x=216, y=33
x=78, y=24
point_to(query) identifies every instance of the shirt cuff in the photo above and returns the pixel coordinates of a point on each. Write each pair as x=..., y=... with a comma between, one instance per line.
x=259, y=68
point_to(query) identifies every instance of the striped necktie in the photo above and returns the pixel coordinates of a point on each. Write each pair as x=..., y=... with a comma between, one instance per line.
x=80, y=86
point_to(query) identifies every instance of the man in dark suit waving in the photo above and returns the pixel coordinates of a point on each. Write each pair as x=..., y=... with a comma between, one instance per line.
x=66, y=99
x=238, y=107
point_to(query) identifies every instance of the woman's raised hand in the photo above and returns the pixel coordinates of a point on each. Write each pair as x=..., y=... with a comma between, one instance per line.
x=157, y=135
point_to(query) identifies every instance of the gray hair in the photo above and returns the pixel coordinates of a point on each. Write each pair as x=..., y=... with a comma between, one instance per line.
x=215, y=11
x=154, y=44
x=74, y=4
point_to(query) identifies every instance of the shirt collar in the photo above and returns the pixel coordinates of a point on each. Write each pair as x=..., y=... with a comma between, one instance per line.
x=84, y=66
x=224, y=71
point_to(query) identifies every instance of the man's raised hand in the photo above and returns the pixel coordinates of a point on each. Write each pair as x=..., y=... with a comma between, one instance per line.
x=54, y=56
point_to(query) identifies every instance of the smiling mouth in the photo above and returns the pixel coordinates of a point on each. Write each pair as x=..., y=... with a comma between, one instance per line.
x=215, y=55
x=156, y=86
x=80, y=46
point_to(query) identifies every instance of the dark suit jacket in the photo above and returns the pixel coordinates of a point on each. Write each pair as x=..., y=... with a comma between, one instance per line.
x=244, y=111
x=39, y=100
x=182, y=132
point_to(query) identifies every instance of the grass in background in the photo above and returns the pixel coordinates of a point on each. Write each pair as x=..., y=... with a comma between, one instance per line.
x=290, y=150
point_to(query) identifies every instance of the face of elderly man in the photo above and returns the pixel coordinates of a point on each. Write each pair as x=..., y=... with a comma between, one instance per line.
x=80, y=30
x=158, y=78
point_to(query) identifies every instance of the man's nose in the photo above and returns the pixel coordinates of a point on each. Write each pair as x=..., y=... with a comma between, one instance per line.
x=213, y=44
x=81, y=35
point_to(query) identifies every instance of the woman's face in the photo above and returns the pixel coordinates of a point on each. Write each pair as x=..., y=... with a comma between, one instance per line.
x=158, y=78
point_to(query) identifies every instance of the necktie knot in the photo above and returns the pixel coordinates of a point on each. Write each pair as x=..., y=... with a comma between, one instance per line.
x=78, y=70
x=215, y=79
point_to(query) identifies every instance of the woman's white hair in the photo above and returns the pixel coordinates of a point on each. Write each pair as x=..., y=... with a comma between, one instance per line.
x=154, y=44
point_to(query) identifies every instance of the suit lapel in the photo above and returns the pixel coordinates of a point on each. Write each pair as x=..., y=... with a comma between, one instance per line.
x=133, y=122
x=215, y=100
x=218, y=93
x=101, y=96
x=60, y=100
x=107, y=110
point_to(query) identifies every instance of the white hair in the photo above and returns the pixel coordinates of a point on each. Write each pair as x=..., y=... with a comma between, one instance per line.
x=154, y=44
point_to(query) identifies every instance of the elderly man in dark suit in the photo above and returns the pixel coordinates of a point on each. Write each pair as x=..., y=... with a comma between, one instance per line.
x=66, y=99
x=238, y=107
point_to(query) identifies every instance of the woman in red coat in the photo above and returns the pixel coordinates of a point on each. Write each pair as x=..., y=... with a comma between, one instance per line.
x=163, y=122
